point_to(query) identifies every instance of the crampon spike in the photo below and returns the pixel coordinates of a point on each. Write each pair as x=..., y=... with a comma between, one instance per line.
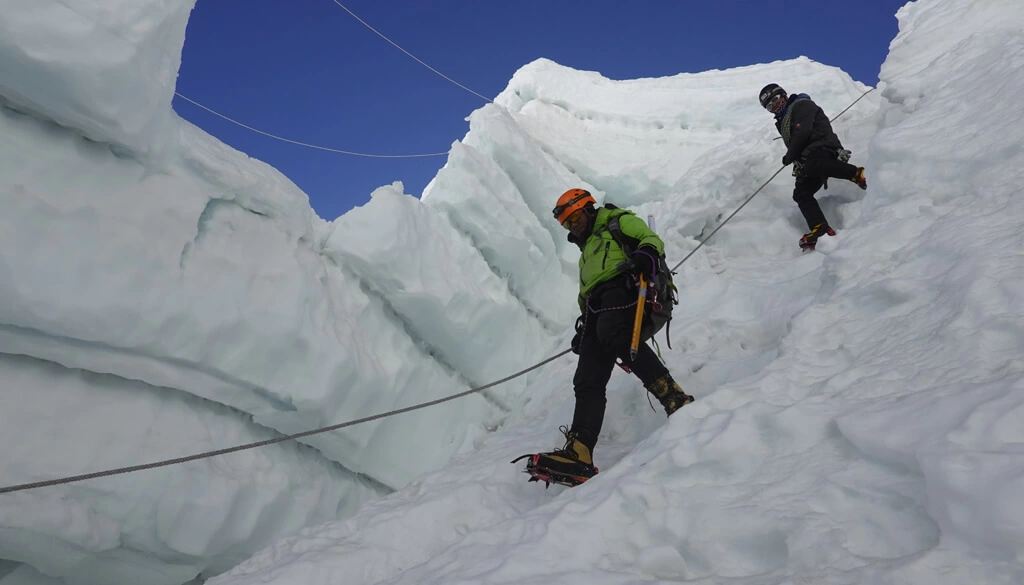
x=546, y=475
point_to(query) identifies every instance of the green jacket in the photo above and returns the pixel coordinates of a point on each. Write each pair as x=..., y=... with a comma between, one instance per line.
x=601, y=254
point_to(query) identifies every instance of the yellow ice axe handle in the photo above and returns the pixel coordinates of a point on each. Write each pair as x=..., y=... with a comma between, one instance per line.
x=641, y=298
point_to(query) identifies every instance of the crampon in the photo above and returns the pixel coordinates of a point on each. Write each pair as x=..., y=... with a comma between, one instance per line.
x=538, y=473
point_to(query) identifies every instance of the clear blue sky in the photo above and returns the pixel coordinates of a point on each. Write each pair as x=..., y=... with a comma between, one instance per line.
x=308, y=71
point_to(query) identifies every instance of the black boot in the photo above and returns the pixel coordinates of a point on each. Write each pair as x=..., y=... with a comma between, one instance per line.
x=669, y=394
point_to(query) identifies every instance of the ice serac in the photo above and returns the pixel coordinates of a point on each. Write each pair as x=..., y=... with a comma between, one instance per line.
x=205, y=281
x=635, y=138
x=160, y=526
x=105, y=69
x=158, y=307
x=499, y=203
x=440, y=284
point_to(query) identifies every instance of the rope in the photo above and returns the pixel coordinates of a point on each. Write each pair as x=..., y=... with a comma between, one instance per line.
x=851, y=105
x=381, y=35
x=208, y=454
x=306, y=144
x=339, y=151
x=844, y=111
x=721, y=225
x=317, y=147
x=763, y=185
x=247, y=127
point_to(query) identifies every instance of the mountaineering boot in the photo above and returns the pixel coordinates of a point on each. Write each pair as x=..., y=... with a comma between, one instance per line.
x=810, y=239
x=669, y=394
x=859, y=179
x=573, y=460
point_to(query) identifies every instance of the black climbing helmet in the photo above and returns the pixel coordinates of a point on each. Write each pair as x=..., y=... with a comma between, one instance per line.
x=768, y=93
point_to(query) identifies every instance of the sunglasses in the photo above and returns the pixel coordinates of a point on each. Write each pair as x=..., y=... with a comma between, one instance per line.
x=775, y=103
x=573, y=218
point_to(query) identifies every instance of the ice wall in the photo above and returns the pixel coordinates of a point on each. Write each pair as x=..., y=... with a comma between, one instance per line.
x=106, y=70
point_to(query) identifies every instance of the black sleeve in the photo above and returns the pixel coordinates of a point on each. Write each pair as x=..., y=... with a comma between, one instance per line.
x=801, y=126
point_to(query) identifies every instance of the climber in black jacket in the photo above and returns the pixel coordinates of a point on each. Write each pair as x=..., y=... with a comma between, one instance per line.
x=815, y=152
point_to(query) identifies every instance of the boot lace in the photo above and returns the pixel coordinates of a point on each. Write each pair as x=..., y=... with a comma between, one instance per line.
x=570, y=438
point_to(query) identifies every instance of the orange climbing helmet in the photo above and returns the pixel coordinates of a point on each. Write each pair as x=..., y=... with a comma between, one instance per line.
x=570, y=201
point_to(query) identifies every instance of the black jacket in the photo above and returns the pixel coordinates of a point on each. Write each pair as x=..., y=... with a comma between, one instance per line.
x=805, y=127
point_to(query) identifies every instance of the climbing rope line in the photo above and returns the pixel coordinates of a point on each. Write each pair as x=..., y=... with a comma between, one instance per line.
x=763, y=185
x=118, y=34
x=306, y=144
x=840, y=113
x=336, y=150
x=853, y=104
x=208, y=454
x=414, y=57
x=731, y=215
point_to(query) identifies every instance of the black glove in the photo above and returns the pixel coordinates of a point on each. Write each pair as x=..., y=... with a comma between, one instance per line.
x=643, y=262
x=576, y=339
x=786, y=159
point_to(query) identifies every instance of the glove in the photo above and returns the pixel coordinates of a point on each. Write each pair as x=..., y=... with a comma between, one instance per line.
x=643, y=262
x=576, y=339
x=844, y=155
x=786, y=160
x=575, y=343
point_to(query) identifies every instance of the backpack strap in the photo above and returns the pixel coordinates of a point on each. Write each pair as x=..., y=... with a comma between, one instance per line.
x=628, y=244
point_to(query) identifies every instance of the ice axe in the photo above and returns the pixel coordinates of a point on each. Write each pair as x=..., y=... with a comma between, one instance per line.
x=641, y=298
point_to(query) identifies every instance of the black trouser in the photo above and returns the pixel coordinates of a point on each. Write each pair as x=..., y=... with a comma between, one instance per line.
x=818, y=165
x=607, y=335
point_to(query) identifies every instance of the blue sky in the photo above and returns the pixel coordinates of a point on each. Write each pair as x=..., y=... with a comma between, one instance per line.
x=309, y=71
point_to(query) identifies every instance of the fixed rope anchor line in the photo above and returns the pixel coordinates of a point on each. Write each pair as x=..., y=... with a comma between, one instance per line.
x=117, y=34
x=338, y=150
x=414, y=57
x=731, y=215
x=208, y=454
x=306, y=144
x=840, y=113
